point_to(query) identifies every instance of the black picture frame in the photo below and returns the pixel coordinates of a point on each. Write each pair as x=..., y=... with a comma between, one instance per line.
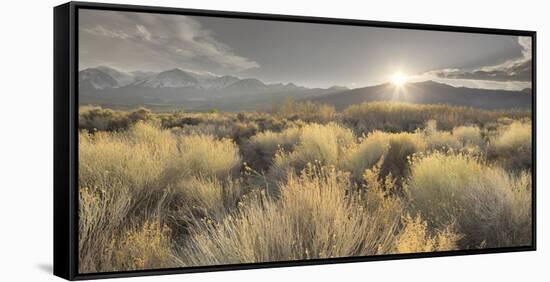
x=66, y=145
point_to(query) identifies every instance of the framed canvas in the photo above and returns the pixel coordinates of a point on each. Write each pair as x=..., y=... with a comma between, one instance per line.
x=191, y=140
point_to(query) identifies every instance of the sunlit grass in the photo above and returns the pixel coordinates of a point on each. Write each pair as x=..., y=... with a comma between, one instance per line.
x=160, y=190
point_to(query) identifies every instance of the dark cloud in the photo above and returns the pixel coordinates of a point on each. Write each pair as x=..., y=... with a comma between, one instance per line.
x=516, y=69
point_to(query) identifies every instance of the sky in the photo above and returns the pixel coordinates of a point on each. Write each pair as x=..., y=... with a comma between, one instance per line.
x=312, y=55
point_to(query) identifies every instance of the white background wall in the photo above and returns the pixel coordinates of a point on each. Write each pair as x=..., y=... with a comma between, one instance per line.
x=26, y=126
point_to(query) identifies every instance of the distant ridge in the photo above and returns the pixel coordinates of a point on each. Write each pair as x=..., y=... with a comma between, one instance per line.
x=430, y=92
x=196, y=91
x=186, y=90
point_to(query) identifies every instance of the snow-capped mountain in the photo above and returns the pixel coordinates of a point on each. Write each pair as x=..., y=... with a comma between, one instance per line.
x=106, y=85
x=122, y=78
x=106, y=77
x=96, y=79
x=174, y=78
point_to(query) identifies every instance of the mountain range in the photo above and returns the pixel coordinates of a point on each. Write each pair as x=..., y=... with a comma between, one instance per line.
x=188, y=90
x=431, y=92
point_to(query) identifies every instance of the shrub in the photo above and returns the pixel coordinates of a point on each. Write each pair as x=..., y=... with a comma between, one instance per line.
x=143, y=247
x=365, y=155
x=468, y=136
x=313, y=218
x=117, y=172
x=179, y=119
x=217, y=130
x=242, y=131
x=101, y=212
x=122, y=175
x=417, y=238
x=442, y=141
x=396, y=117
x=413, y=235
x=207, y=197
x=203, y=155
x=318, y=144
x=169, y=193
x=141, y=114
x=512, y=147
x=97, y=118
x=438, y=140
x=262, y=147
x=307, y=111
x=490, y=207
x=135, y=158
x=401, y=147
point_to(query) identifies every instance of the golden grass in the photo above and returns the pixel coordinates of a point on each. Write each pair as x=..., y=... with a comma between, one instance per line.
x=489, y=205
x=318, y=144
x=512, y=146
x=396, y=117
x=367, y=153
x=416, y=238
x=160, y=190
x=313, y=218
x=143, y=247
x=121, y=174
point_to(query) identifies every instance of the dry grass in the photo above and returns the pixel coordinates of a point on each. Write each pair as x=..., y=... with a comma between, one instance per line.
x=122, y=174
x=307, y=111
x=313, y=218
x=489, y=206
x=416, y=238
x=207, y=197
x=469, y=136
x=318, y=144
x=512, y=146
x=402, y=146
x=160, y=190
x=143, y=247
x=397, y=117
x=367, y=153
x=203, y=155
x=262, y=147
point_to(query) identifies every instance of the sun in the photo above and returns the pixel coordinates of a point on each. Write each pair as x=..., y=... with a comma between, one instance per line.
x=399, y=79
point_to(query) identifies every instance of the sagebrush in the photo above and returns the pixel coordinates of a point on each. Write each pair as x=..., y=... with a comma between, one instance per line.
x=162, y=190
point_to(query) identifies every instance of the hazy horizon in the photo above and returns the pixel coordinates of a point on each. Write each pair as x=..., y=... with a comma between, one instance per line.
x=312, y=55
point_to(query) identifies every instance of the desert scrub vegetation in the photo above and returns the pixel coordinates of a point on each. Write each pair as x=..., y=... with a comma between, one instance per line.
x=176, y=189
x=490, y=206
x=318, y=144
x=364, y=155
x=262, y=147
x=415, y=237
x=512, y=146
x=392, y=150
x=306, y=111
x=143, y=247
x=96, y=118
x=122, y=174
x=204, y=155
x=397, y=117
x=313, y=218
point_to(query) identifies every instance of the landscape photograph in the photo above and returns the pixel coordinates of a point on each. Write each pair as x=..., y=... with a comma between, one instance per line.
x=208, y=141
